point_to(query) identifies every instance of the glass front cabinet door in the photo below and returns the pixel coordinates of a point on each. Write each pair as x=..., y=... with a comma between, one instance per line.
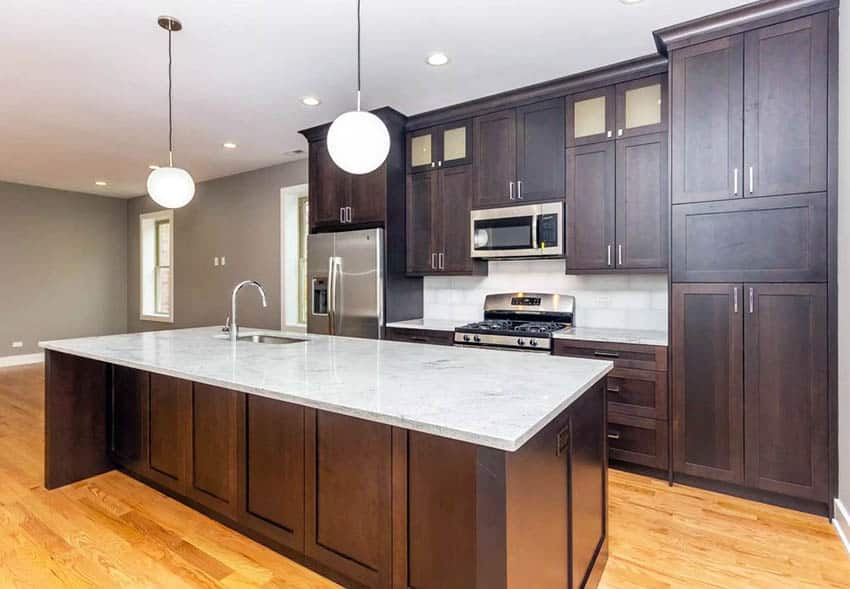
x=590, y=116
x=642, y=107
x=439, y=147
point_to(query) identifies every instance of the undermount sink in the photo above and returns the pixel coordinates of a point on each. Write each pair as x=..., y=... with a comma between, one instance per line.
x=259, y=338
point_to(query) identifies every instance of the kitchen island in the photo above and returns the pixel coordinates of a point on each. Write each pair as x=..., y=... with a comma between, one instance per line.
x=377, y=463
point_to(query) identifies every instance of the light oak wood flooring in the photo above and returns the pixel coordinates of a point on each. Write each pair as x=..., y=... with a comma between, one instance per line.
x=111, y=531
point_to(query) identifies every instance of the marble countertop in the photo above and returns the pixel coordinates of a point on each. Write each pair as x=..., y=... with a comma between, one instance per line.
x=493, y=398
x=622, y=336
x=430, y=324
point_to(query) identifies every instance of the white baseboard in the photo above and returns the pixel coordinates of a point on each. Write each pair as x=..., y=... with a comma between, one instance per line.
x=842, y=523
x=21, y=359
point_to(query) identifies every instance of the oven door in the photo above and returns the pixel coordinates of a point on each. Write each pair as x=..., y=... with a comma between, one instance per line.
x=518, y=232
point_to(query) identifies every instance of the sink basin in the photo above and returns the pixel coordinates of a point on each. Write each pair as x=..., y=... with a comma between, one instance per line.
x=259, y=338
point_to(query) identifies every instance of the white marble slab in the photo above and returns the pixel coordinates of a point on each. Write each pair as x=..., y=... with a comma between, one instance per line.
x=492, y=398
x=430, y=324
x=622, y=336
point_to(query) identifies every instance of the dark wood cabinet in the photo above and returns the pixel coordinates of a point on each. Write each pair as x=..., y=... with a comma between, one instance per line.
x=217, y=426
x=638, y=440
x=776, y=239
x=707, y=381
x=170, y=432
x=420, y=336
x=438, y=205
x=642, y=393
x=367, y=197
x=443, y=146
x=642, y=202
x=273, y=470
x=328, y=190
x=495, y=158
x=750, y=113
x=540, y=151
x=785, y=116
x=129, y=409
x=707, y=124
x=591, y=116
x=591, y=206
x=785, y=384
x=348, y=496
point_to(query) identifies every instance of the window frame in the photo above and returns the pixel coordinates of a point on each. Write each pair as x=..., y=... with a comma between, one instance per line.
x=149, y=262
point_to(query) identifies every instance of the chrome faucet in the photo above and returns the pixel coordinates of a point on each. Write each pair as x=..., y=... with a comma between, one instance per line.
x=234, y=327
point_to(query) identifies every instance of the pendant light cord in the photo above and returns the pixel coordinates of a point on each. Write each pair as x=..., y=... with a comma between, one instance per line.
x=358, y=55
x=170, y=125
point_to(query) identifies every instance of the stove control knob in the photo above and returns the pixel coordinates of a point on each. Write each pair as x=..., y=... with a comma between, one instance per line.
x=520, y=341
x=532, y=343
x=476, y=339
x=466, y=338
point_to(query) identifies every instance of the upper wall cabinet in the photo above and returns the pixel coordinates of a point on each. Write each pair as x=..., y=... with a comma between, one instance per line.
x=520, y=154
x=632, y=108
x=750, y=113
x=438, y=147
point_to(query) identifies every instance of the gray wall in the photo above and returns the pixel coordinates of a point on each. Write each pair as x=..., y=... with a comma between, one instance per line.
x=237, y=217
x=844, y=262
x=64, y=264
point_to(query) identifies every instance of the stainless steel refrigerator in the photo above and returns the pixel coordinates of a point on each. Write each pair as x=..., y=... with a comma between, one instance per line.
x=345, y=274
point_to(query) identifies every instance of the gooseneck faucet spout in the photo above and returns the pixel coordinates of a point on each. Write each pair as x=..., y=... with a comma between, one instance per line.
x=234, y=326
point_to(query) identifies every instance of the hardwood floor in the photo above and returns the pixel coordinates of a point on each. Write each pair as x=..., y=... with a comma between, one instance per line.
x=111, y=531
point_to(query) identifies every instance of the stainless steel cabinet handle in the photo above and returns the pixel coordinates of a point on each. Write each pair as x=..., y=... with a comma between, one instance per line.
x=433, y=164
x=511, y=190
x=619, y=132
x=348, y=214
x=342, y=214
x=433, y=260
x=442, y=259
x=440, y=164
x=751, y=179
x=610, y=134
x=609, y=254
x=736, y=182
x=735, y=299
x=519, y=189
x=751, y=300
x=620, y=254
x=613, y=435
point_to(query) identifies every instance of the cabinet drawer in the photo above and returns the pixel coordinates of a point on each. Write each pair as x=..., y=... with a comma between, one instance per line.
x=774, y=239
x=420, y=336
x=637, y=440
x=642, y=393
x=635, y=356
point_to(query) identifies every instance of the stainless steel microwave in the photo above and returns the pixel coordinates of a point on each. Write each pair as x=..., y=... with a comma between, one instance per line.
x=525, y=231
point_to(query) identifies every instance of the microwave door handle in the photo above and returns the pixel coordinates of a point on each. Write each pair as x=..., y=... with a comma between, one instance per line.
x=534, y=220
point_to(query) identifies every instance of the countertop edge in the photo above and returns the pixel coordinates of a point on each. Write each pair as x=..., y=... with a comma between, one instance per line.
x=504, y=444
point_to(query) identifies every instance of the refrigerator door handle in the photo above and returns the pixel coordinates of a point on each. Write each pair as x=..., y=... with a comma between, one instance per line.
x=332, y=296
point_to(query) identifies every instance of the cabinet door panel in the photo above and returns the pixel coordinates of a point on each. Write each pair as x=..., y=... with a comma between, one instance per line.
x=786, y=107
x=170, y=432
x=129, y=417
x=421, y=209
x=455, y=203
x=707, y=95
x=591, y=206
x=216, y=418
x=274, y=470
x=642, y=202
x=348, y=488
x=540, y=151
x=421, y=150
x=495, y=149
x=708, y=411
x=368, y=200
x=786, y=389
x=455, y=144
x=642, y=106
x=590, y=116
x=329, y=187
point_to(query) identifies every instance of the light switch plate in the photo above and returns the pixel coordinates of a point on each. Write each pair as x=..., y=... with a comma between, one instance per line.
x=17, y=344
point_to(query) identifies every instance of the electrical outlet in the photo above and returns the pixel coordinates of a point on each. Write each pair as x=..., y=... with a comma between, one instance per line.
x=215, y=261
x=602, y=301
x=17, y=344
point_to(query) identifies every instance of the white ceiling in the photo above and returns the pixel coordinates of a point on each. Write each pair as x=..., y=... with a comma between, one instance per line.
x=84, y=83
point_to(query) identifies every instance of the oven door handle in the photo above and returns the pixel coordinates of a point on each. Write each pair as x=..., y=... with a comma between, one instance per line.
x=534, y=220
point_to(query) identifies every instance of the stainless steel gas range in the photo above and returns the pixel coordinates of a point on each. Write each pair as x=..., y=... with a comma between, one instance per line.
x=522, y=321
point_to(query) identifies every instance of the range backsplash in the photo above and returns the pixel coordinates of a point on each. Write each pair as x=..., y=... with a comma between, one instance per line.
x=635, y=301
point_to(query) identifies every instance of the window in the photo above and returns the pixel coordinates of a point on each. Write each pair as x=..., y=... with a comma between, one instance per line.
x=156, y=240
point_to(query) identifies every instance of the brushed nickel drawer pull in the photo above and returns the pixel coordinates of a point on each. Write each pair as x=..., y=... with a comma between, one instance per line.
x=605, y=354
x=613, y=435
x=613, y=389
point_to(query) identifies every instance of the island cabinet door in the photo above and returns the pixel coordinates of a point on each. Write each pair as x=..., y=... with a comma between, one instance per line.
x=348, y=491
x=273, y=470
x=129, y=408
x=169, y=432
x=217, y=418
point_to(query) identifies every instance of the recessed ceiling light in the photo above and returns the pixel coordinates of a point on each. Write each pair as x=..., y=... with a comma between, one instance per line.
x=438, y=58
x=100, y=183
x=153, y=167
x=229, y=145
x=311, y=101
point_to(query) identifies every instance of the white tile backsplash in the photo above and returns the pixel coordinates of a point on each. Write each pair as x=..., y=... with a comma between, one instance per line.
x=634, y=301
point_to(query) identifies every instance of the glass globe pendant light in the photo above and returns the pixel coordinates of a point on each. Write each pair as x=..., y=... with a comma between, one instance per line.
x=358, y=141
x=170, y=187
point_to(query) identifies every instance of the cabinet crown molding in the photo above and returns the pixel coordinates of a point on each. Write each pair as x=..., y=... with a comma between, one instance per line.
x=736, y=20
